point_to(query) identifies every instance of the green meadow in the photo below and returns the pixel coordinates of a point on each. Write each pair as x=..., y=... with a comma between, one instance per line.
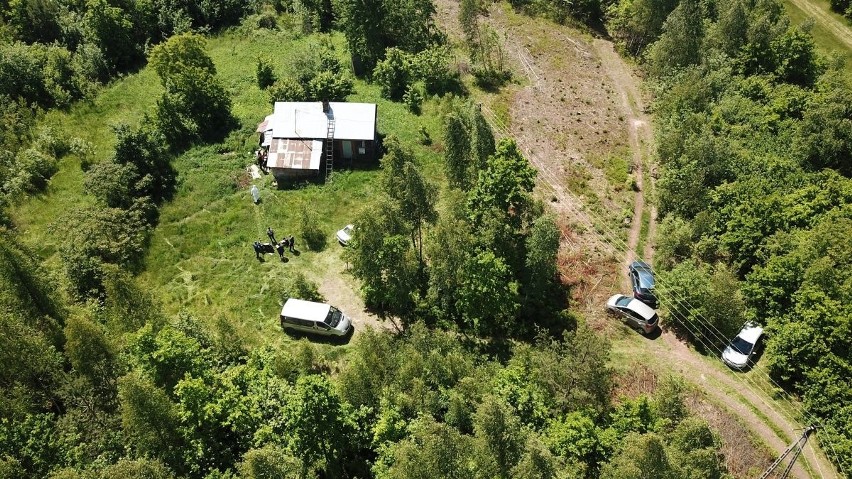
x=200, y=258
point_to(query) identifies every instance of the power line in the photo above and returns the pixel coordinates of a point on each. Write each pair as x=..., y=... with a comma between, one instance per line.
x=613, y=239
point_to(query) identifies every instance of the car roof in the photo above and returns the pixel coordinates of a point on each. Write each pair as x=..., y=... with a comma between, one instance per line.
x=751, y=332
x=298, y=308
x=646, y=274
x=643, y=309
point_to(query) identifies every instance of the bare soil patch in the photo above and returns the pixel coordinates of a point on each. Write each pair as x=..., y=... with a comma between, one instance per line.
x=337, y=287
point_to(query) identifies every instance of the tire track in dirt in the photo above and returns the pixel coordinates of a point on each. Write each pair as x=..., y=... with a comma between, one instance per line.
x=640, y=138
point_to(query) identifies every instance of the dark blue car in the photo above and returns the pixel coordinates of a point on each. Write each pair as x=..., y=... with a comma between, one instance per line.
x=642, y=279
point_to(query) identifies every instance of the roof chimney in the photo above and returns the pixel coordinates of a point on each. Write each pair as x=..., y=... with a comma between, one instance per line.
x=325, y=106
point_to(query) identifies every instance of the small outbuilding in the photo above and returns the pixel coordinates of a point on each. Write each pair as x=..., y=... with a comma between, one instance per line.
x=306, y=138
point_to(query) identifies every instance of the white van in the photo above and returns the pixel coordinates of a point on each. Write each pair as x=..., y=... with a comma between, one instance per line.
x=317, y=318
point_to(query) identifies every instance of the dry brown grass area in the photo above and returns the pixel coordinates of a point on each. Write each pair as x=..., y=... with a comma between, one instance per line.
x=740, y=452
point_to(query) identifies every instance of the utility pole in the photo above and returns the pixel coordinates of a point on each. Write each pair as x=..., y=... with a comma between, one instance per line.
x=796, y=449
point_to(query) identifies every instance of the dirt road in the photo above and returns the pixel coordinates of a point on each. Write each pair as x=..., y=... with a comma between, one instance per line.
x=640, y=137
x=757, y=412
x=721, y=385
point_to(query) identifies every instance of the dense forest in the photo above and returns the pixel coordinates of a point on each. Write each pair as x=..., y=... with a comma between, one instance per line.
x=492, y=374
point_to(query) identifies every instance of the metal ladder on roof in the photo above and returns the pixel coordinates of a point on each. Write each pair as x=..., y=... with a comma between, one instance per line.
x=329, y=149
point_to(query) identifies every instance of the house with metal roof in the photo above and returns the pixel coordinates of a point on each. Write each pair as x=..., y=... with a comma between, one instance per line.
x=307, y=138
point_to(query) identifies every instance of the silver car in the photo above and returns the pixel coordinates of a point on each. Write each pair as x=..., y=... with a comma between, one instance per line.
x=739, y=352
x=344, y=235
x=638, y=315
x=316, y=318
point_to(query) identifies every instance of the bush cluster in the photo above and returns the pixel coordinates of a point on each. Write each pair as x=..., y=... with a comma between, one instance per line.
x=428, y=71
x=316, y=75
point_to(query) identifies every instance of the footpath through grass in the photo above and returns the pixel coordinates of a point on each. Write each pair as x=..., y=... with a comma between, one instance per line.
x=827, y=43
x=200, y=257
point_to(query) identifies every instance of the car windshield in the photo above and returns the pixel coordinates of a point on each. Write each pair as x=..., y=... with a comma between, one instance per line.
x=623, y=301
x=348, y=230
x=333, y=318
x=741, y=346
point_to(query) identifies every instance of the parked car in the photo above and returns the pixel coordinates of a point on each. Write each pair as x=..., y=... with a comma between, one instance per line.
x=344, y=236
x=638, y=315
x=739, y=352
x=316, y=318
x=642, y=279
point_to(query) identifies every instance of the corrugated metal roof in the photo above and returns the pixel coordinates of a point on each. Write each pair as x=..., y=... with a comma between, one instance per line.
x=294, y=154
x=352, y=121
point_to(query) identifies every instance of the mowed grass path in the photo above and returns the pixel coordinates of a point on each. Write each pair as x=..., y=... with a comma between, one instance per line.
x=824, y=37
x=200, y=258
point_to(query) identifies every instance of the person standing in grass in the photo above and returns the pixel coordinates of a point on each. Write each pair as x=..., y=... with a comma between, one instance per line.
x=271, y=235
x=292, y=244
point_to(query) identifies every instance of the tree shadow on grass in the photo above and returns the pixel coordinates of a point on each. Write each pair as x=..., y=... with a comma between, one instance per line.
x=315, y=338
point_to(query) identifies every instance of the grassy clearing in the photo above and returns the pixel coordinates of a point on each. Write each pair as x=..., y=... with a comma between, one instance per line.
x=200, y=258
x=826, y=42
x=615, y=166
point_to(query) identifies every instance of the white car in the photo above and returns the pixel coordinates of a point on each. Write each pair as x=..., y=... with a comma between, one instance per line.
x=344, y=236
x=639, y=315
x=739, y=352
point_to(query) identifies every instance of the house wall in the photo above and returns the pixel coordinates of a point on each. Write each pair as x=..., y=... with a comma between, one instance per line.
x=369, y=150
x=289, y=173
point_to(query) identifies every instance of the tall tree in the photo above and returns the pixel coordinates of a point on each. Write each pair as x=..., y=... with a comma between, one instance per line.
x=372, y=26
x=414, y=194
x=432, y=451
x=499, y=437
x=641, y=456
x=504, y=184
x=680, y=43
x=148, y=418
x=637, y=23
x=382, y=258
x=195, y=104
x=824, y=138
x=316, y=424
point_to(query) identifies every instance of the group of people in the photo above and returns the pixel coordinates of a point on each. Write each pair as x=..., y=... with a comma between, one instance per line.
x=274, y=245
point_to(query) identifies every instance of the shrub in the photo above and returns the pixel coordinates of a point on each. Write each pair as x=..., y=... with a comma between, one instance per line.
x=432, y=67
x=287, y=89
x=267, y=20
x=393, y=73
x=83, y=150
x=32, y=171
x=301, y=287
x=413, y=97
x=90, y=67
x=425, y=138
x=330, y=86
x=94, y=236
x=52, y=143
x=112, y=183
x=265, y=75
